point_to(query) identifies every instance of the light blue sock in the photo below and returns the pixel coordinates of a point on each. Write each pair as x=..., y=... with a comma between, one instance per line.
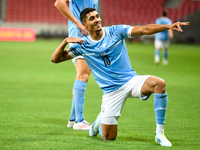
x=79, y=99
x=157, y=53
x=165, y=55
x=100, y=129
x=72, y=115
x=160, y=107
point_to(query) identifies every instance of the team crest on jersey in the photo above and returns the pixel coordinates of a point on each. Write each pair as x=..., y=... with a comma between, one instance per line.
x=104, y=45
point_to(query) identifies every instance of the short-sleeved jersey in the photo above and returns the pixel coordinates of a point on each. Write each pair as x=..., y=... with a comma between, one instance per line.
x=107, y=58
x=163, y=36
x=75, y=7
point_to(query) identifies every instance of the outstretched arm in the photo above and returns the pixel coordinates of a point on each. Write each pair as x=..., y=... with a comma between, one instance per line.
x=60, y=54
x=154, y=28
x=61, y=5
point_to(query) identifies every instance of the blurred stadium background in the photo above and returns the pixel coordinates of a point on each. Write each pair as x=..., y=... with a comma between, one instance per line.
x=49, y=23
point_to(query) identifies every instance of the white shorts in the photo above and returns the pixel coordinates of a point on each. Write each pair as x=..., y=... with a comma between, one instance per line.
x=161, y=44
x=78, y=57
x=112, y=103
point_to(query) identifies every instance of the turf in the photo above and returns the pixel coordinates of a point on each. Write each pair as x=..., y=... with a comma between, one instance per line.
x=35, y=100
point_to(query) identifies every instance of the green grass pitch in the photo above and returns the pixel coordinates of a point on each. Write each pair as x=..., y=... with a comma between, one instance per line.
x=35, y=100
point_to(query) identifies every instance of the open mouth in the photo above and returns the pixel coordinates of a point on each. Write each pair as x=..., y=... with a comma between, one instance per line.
x=97, y=25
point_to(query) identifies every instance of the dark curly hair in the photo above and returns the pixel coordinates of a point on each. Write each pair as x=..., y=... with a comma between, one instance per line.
x=84, y=12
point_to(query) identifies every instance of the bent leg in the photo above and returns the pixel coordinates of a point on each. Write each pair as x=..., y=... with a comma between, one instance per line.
x=109, y=131
x=153, y=85
x=108, y=128
x=157, y=86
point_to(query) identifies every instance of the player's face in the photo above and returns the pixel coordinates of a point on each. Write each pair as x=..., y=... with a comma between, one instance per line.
x=93, y=22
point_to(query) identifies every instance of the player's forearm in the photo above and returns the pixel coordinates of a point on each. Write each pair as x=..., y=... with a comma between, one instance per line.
x=61, y=5
x=58, y=53
x=153, y=28
x=148, y=29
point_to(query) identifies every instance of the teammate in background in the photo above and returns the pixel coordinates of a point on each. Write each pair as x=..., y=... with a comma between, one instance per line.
x=106, y=54
x=76, y=29
x=162, y=39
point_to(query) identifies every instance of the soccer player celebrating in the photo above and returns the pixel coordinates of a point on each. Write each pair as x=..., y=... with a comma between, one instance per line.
x=106, y=54
x=76, y=29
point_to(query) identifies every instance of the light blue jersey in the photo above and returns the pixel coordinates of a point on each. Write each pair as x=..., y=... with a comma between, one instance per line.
x=107, y=58
x=163, y=36
x=75, y=7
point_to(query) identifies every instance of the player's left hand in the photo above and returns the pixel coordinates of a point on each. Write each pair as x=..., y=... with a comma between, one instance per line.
x=177, y=26
x=74, y=40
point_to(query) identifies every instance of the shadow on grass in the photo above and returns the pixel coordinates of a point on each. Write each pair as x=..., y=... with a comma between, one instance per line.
x=127, y=139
